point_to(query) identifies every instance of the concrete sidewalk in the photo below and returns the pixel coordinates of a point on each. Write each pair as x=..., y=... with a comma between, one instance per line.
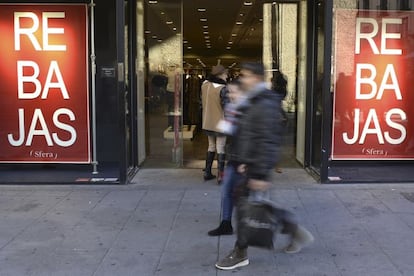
x=158, y=226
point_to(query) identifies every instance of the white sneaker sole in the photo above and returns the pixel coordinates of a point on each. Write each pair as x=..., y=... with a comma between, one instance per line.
x=292, y=251
x=300, y=246
x=242, y=263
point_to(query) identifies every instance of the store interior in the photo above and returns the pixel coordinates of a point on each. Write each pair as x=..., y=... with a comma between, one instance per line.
x=183, y=40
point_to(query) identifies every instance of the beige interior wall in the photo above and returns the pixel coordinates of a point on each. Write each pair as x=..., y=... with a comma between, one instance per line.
x=348, y=4
x=288, y=51
x=301, y=95
x=287, y=33
x=267, y=40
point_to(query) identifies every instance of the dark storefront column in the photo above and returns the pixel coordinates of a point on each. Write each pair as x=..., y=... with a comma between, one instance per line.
x=116, y=106
x=319, y=97
x=316, y=75
x=326, y=91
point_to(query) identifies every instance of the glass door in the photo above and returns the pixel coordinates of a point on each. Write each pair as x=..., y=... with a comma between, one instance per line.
x=285, y=51
x=317, y=95
x=163, y=93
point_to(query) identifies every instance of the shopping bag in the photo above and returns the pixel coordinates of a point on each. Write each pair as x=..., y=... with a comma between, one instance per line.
x=256, y=223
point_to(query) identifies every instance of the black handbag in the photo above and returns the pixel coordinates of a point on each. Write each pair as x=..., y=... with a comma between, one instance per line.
x=256, y=223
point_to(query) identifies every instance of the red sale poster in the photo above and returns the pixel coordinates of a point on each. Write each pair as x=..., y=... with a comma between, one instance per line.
x=44, y=107
x=373, y=89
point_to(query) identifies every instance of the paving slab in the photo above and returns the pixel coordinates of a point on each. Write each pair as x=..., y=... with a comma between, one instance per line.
x=48, y=262
x=312, y=262
x=364, y=261
x=186, y=264
x=395, y=201
x=128, y=262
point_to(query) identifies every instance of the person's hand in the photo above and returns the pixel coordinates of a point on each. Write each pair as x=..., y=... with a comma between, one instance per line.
x=241, y=168
x=258, y=185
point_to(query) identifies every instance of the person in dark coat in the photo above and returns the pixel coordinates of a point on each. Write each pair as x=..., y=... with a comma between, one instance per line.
x=279, y=85
x=255, y=151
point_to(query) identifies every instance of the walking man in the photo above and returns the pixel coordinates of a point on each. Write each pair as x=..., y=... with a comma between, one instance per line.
x=255, y=151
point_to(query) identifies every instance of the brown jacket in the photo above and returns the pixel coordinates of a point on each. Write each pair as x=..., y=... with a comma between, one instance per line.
x=212, y=107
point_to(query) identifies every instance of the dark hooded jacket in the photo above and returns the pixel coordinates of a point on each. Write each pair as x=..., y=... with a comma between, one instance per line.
x=258, y=137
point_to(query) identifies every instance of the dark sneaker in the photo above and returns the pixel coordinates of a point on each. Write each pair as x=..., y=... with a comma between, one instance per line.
x=300, y=239
x=225, y=228
x=208, y=176
x=236, y=258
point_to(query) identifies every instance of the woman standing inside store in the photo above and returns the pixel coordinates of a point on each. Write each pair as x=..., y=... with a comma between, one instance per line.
x=213, y=99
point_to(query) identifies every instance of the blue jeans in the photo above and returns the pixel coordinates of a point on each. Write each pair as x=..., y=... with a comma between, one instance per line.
x=231, y=178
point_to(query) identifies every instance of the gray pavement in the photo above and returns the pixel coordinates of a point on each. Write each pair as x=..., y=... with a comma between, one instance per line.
x=157, y=226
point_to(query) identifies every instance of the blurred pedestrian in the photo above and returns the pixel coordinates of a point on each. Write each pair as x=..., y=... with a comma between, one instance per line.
x=213, y=98
x=255, y=150
x=229, y=126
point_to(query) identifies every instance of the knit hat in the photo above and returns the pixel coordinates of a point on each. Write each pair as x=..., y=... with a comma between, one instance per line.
x=218, y=70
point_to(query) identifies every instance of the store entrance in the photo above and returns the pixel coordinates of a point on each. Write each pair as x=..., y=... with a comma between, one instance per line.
x=184, y=39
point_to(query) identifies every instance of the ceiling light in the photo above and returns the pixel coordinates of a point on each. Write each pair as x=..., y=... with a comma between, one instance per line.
x=239, y=23
x=248, y=3
x=152, y=2
x=154, y=36
x=203, y=19
x=185, y=41
x=147, y=32
x=230, y=42
x=206, y=37
x=189, y=47
x=228, y=48
x=159, y=40
x=174, y=29
x=205, y=32
x=169, y=22
x=233, y=35
x=162, y=13
x=201, y=9
x=242, y=14
x=205, y=27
